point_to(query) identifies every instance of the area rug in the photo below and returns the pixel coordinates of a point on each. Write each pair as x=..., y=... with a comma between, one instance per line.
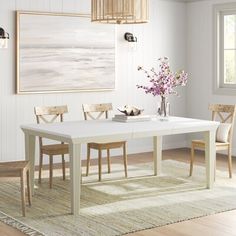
x=118, y=206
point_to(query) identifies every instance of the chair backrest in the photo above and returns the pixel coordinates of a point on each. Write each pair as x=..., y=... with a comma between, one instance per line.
x=225, y=114
x=49, y=115
x=98, y=109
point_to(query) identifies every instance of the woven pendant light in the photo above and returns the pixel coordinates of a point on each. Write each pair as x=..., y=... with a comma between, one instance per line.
x=120, y=11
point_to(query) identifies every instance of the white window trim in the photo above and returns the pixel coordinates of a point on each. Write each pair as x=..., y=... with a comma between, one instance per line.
x=219, y=11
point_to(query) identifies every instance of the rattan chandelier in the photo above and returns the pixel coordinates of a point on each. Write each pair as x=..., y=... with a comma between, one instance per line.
x=120, y=11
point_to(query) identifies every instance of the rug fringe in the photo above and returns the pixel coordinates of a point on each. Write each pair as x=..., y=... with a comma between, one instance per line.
x=6, y=219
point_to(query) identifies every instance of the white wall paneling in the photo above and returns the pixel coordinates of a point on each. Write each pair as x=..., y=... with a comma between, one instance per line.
x=163, y=36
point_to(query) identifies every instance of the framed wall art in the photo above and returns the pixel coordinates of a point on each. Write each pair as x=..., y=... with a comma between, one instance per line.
x=63, y=53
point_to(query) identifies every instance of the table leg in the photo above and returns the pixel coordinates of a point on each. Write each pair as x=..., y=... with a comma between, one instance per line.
x=75, y=176
x=30, y=156
x=157, y=154
x=210, y=157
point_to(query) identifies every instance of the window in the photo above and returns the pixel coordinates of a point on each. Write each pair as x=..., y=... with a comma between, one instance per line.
x=225, y=48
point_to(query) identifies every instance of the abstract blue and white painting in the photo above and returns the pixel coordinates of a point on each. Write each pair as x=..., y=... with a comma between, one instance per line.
x=64, y=53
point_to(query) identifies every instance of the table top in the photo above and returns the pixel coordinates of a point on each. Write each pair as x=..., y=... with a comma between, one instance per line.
x=107, y=130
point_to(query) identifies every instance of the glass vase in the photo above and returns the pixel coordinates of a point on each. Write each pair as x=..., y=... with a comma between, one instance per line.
x=164, y=108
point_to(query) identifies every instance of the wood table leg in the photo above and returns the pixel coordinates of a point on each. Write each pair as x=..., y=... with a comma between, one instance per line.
x=157, y=154
x=75, y=176
x=30, y=156
x=210, y=157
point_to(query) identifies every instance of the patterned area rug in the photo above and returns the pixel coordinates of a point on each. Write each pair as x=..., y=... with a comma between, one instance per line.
x=118, y=206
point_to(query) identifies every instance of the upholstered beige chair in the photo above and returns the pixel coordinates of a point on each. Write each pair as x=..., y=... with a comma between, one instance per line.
x=49, y=115
x=226, y=115
x=18, y=169
x=96, y=111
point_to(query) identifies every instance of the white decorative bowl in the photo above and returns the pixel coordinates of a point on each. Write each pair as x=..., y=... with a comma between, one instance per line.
x=129, y=110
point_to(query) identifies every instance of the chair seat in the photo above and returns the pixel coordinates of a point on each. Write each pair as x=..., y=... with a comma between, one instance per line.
x=201, y=144
x=55, y=149
x=18, y=169
x=106, y=145
x=13, y=169
x=14, y=165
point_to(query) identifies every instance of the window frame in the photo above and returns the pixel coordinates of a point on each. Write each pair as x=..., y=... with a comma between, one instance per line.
x=219, y=11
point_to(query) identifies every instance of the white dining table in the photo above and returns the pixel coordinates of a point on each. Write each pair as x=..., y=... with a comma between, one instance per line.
x=76, y=133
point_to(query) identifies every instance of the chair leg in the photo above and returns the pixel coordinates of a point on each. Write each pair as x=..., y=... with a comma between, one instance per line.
x=230, y=161
x=40, y=166
x=88, y=160
x=191, y=160
x=81, y=175
x=22, y=180
x=50, y=171
x=125, y=159
x=108, y=161
x=29, y=188
x=99, y=164
x=215, y=171
x=63, y=167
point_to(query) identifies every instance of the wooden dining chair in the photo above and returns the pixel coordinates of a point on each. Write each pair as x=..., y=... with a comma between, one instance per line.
x=226, y=115
x=94, y=112
x=49, y=115
x=18, y=169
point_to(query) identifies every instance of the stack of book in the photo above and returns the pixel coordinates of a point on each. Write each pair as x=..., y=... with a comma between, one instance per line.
x=124, y=118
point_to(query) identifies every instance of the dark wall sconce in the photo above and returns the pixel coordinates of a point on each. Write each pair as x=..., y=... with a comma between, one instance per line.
x=130, y=38
x=4, y=37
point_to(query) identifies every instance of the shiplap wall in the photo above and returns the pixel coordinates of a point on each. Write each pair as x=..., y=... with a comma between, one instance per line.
x=163, y=36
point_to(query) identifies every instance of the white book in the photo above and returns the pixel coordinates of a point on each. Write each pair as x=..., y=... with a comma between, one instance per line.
x=124, y=118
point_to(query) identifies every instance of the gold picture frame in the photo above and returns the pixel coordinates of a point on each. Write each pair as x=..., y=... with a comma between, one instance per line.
x=63, y=52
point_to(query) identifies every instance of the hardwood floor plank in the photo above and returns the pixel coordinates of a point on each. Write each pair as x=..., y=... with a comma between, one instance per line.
x=6, y=230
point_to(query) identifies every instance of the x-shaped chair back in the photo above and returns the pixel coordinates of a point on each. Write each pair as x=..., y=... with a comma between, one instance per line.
x=96, y=111
x=224, y=114
x=49, y=115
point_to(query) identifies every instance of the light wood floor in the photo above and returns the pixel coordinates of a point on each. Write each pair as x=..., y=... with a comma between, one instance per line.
x=221, y=224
